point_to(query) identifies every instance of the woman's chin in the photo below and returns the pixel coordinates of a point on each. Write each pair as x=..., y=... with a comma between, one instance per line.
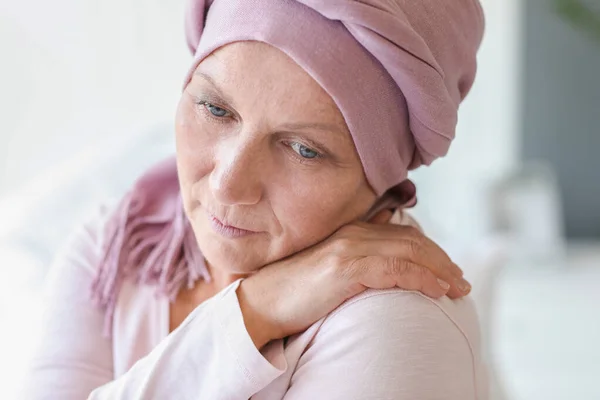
x=230, y=256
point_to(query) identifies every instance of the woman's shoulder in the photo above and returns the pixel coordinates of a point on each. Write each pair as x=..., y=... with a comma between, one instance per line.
x=414, y=307
x=410, y=311
x=83, y=247
x=78, y=270
x=395, y=323
x=403, y=343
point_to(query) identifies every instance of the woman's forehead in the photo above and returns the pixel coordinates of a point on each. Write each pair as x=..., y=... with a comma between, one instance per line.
x=255, y=71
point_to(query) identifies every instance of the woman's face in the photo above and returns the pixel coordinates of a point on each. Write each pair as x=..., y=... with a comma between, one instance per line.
x=267, y=166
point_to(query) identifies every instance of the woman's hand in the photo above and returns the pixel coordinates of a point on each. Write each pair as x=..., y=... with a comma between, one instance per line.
x=288, y=296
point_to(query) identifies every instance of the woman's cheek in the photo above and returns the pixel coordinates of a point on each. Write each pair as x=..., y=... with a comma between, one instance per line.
x=307, y=206
x=194, y=146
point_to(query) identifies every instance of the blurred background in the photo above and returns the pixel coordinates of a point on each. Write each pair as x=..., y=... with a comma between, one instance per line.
x=87, y=95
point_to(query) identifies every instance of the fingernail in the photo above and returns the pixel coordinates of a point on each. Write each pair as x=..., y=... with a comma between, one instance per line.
x=463, y=285
x=445, y=285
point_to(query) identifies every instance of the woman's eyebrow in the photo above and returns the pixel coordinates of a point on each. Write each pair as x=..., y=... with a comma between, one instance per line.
x=295, y=126
x=321, y=126
x=214, y=84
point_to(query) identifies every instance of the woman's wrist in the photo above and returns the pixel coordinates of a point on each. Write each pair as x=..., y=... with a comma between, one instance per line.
x=257, y=326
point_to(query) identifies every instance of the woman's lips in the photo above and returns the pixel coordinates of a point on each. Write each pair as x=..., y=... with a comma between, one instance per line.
x=227, y=231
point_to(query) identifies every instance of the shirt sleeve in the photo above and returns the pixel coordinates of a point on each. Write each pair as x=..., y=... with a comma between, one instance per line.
x=210, y=356
x=395, y=345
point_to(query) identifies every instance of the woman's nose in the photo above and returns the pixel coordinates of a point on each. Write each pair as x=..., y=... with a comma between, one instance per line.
x=237, y=177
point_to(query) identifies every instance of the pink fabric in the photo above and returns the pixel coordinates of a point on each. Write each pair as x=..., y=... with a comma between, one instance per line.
x=397, y=69
x=149, y=240
x=390, y=344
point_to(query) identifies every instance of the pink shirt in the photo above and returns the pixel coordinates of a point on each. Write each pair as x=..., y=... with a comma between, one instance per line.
x=386, y=344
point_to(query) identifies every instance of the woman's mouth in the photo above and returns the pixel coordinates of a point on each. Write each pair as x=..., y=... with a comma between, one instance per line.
x=227, y=231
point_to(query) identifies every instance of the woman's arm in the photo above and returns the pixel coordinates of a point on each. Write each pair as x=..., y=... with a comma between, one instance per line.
x=210, y=356
x=393, y=345
x=72, y=356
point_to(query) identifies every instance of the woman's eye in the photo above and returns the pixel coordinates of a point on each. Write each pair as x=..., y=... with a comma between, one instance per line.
x=214, y=110
x=304, y=151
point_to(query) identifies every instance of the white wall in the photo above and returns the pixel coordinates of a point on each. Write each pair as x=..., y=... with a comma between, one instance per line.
x=76, y=74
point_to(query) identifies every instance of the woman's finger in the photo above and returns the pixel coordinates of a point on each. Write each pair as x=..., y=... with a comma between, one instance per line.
x=414, y=277
x=413, y=247
x=455, y=293
x=428, y=254
x=399, y=232
x=384, y=273
x=382, y=217
x=425, y=252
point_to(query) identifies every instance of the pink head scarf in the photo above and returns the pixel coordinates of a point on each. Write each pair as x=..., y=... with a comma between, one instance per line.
x=397, y=70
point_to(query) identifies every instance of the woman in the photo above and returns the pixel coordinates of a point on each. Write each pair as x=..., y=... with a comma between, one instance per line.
x=270, y=240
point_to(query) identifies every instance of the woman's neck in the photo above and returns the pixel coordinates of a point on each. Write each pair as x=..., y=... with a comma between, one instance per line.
x=221, y=278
